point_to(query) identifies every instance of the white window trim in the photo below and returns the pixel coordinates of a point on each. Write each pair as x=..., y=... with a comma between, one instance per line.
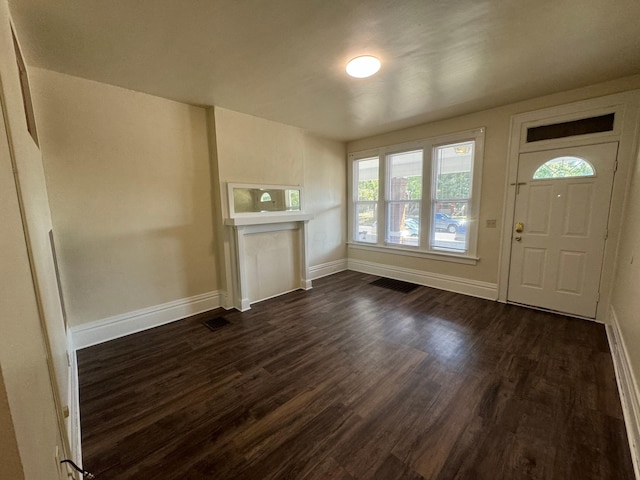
x=414, y=252
x=424, y=251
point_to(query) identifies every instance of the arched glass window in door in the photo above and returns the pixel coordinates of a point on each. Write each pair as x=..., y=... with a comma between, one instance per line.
x=564, y=167
x=266, y=197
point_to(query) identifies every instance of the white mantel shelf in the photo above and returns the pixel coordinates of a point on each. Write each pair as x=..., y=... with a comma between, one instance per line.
x=266, y=219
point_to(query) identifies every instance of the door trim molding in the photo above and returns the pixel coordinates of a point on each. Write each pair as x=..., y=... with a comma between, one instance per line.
x=626, y=107
x=75, y=431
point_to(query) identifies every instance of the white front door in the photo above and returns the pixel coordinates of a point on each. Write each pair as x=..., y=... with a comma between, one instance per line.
x=560, y=227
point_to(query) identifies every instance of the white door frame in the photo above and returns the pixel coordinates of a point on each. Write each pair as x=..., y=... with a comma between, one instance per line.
x=626, y=107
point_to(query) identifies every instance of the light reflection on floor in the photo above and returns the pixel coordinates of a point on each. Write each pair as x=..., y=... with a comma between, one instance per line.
x=447, y=341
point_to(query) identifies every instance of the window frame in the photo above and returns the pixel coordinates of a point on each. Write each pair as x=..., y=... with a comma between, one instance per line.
x=427, y=215
x=386, y=187
x=355, y=202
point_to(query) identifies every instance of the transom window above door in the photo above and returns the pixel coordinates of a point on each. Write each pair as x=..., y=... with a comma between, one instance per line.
x=564, y=167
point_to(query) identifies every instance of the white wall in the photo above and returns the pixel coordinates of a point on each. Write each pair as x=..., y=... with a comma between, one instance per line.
x=129, y=186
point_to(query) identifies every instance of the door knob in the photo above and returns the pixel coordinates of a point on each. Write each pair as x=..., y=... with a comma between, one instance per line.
x=519, y=227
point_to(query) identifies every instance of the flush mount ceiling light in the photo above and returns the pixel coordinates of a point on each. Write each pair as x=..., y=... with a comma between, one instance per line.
x=364, y=66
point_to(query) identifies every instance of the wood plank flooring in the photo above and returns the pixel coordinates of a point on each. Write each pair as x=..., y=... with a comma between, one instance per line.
x=353, y=381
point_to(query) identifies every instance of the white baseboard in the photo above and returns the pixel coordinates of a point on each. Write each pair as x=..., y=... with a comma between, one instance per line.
x=225, y=300
x=275, y=295
x=100, y=331
x=245, y=305
x=329, y=268
x=465, y=286
x=628, y=387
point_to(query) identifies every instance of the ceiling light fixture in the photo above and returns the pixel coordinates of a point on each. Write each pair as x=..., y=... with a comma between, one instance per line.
x=364, y=66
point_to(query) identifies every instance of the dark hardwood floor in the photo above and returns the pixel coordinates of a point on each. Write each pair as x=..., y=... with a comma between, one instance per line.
x=353, y=381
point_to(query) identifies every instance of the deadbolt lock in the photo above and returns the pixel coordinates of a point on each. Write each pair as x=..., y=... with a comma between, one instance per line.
x=519, y=227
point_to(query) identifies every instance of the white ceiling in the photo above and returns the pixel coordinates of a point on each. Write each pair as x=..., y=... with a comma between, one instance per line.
x=284, y=59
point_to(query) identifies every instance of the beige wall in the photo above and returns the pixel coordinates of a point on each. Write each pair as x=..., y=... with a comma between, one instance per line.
x=129, y=187
x=497, y=123
x=326, y=197
x=130, y=179
x=625, y=300
x=254, y=150
x=26, y=302
x=10, y=463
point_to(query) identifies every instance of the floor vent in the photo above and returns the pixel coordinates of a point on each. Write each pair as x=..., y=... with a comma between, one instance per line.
x=397, y=285
x=217, y=323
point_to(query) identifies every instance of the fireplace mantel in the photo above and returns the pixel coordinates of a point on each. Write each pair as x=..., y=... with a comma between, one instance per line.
x=263, y=223
x=266, y=218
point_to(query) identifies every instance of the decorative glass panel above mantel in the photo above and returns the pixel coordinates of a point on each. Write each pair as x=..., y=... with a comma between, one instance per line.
x=265, y=201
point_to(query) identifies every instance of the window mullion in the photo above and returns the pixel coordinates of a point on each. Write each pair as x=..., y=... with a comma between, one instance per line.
x=426, y=213
x=382, y=199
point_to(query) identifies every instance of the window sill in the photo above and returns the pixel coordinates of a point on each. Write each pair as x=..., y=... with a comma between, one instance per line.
x=431, y=255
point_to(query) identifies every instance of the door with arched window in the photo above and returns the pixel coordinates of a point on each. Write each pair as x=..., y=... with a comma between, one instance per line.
x=560, y=228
